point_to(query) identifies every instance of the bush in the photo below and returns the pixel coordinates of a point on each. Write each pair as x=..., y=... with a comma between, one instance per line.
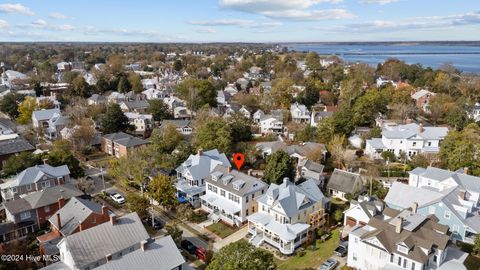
x=301, y=253
x=387, y=155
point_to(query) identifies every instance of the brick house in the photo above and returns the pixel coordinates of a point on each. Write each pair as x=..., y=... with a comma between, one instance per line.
x=30, y=213
x=119, y=144
x=75, y=216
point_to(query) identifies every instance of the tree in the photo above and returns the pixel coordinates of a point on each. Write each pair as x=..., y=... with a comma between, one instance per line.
x=241, y=255
x=86, y=185
x=115, y=120
x=166, y=138
x=159, y=110
x=240, y=128
x=177, y=65
x=135, y=168
x=139, y=204
x=197, y=93
x=212, y=133
x=312, y=60
x=460, y=149
x=184, y=212
x=102, y=85
x=311, y=95
x=337, y=149
x=83, y=134
x=25, y=110
x=281, y=93
x=307, y=134
x=9, y=104
x=419, y=160
x=136, y=82
x=80, y=88
x=338, y=215
x=476, y=244
x=61, y=153
x=123, y=85
x=368, y=106
x=17, y=163
x=279, y=165
x=388, y=156
x=162, y=190
x=174, y=231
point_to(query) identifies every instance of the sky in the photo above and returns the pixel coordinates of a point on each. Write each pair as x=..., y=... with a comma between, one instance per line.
x=239, y=20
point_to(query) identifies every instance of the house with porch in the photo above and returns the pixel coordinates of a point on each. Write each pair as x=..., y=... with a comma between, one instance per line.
x=409, y=139
x=453, y=197
x=34, y=179
x=287, y=214
x=185, y=127
x=193, y=172
x=299, y=113
x=230, y=195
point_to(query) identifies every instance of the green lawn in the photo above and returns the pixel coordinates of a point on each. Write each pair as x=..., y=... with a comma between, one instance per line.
x=312, y=259
x=472, y=262
x=221, y=230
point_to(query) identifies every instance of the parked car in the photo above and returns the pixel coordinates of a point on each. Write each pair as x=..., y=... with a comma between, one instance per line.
x=188, y=246
x=342, y=249
x=328, y=264
x=201, y=254
x=157, y=224
x=117, y=198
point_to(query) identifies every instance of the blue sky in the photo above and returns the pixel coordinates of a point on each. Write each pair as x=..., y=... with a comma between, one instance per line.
x=239, y=20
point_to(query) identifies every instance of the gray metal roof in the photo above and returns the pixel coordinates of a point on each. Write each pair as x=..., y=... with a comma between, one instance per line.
x=200, y=166
x=45, y=114
x=311, y=165
x=162, y=254
x=96, y=243
x=125, y=139
x=73, y=213
x=414, y=130
x=468, y=182
x=35, y=174
x=294, y=198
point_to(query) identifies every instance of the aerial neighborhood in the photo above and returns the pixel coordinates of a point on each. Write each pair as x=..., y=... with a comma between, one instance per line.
x=208, y=156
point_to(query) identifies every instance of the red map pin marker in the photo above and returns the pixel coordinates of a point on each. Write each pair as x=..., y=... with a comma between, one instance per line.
x=238, y=159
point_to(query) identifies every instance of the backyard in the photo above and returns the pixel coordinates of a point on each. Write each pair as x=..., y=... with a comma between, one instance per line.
x=221, y=230
x=312, y=258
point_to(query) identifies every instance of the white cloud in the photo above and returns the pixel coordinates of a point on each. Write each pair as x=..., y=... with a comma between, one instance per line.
x=3, y=24
x=58, y=16
x=236, y=22
x=300, y=10
x=381, y=2
x=15, y=8
x=39, y=23
x=417, y=23
x=205, y=30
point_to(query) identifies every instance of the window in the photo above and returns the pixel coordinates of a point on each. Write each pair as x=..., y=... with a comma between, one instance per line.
x=246, y=212
x=354, y=256
x=246, y=199
x=14, y=190
x=25, y=215
x=455, y=228
x=447, y=214
x=222, y=193
x=47, y=208
x=391, y=258
x=45, y=184
x=414, y=144
x=413, y=266
x=429, y=143
x=399, y=261
x=29, y=187
x=404, y=263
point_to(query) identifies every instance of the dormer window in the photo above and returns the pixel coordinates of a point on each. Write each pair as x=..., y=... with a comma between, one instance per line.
x=403, y=249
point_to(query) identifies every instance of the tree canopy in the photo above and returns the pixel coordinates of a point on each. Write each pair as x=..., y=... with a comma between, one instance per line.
x=241, y=255
x=279, y=165
x=115, y=120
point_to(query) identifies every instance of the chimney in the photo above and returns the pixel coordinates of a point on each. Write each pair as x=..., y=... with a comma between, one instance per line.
x=250, y=172
x=61, y=202
x=465, y=170
x=108, y=257
x=143, y=245
x=45, y=161
x=105, y=211
x=113, y=219
x=59, y=221
x=462, y=194
x=420, y=128
x=414, y=207
x=398, y=225
x=200, y=152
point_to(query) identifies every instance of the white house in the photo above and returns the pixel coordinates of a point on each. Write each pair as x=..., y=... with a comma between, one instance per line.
x=407, y=241
x=269, y=123
x=185, y=127
x=193, y=172
x=300, y=113
x=153, y=93
x=475, y=112
x=230, y=195
x=286, y=214
x=410, y=139
x=141, y=122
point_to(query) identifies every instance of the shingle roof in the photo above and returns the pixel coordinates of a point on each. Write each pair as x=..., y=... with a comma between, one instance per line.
x=125, y=139
x=13, y=146
x=136, y=104
x=250, y=183
x=96, y=243
x=344, y=181
x=42, y=198
x=35, y=174
x=73, y=213
x=312, y=166
x=45, y=114
x=162, y=254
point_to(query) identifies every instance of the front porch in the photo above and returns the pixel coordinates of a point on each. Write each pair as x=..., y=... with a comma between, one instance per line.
x=188, y=193
x=221, y=209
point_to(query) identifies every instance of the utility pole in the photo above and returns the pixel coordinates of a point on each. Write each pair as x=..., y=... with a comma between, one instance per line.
x=103, y=179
